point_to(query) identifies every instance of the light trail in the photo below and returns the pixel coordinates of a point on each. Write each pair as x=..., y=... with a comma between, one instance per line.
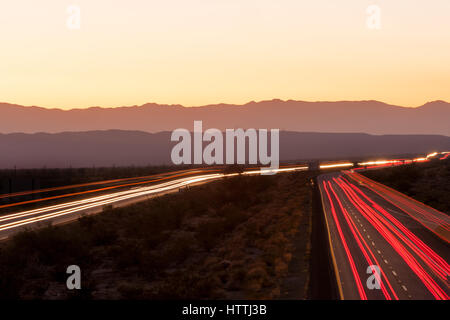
x=336, y=165
x=377, y=222
x=365, y=249
x=273, y=171
x=137, y=193
x=88, y=184
x=379, y=162
x=435, y=221
x=356, y=277
x=84, y=201
x=98, y=190
x=432, y=259
x=420, y=272
x=174, y=174
x=54, y=211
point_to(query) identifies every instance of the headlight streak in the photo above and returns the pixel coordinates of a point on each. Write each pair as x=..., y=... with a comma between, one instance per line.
x=336, y=165
x=74, y=203
x=85, y=204
x=169, y=175
x=104, y=182
x=378, y=162
x=98, y=190
x=105, y=202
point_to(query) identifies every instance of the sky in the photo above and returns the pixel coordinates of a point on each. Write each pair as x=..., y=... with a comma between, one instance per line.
x=198, y=52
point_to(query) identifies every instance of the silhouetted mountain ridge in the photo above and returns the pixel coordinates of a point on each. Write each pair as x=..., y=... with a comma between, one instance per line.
x=126, y=148
x=369, y=116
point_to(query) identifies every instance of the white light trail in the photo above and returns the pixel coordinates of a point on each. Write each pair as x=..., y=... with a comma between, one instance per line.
x=336, y=165
x=54, y=211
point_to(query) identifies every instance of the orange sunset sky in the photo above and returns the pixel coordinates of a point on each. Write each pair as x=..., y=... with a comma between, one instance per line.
x=196, y=52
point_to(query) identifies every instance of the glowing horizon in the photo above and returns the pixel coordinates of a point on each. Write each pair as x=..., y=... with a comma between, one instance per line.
x=208, y=52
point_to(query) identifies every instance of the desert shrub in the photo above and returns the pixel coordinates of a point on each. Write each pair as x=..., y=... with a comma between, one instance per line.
x=10, y=283
x=256, y=278
x=165, y=242
x=187, y=285
x=130, y=291
x=128, y=254
x=179, y=249
x=210, y=233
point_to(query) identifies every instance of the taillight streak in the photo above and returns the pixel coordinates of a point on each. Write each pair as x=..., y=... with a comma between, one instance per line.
x=431, y=258
x=357, y=235
x=359, y=285
x=374, y=219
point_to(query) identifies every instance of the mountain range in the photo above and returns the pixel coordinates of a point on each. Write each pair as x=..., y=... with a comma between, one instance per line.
x=126, y=148
x=370, y=117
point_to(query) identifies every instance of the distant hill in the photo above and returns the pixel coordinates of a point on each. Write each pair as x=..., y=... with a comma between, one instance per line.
x=345, y=116
x=125, y=148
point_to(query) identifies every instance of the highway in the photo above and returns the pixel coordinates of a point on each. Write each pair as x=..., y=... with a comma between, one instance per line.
x=98, y=186
x=118, y=195
x=368, y=225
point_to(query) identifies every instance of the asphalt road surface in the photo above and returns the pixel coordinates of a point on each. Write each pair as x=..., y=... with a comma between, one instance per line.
x=384, y=245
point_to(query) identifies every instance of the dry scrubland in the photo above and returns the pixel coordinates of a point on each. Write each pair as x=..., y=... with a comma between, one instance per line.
x=233, y=238
x=426, y=182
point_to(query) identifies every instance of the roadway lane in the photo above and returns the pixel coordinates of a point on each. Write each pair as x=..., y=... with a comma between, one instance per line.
x=71, y=210
x=365, y=229
x=68, y=211
x=97, y=187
